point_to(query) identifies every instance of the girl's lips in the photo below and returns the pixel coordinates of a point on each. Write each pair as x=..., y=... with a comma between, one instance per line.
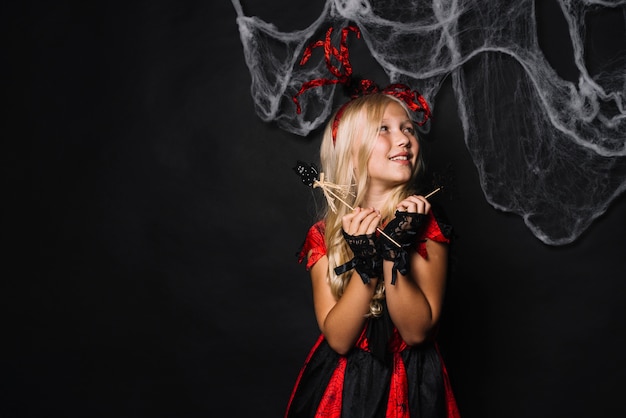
x=400, y=157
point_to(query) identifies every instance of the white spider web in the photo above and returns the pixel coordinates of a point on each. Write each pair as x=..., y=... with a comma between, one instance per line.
x=548, y=149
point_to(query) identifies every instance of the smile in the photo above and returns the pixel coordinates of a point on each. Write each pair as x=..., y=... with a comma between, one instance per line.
x=400, y=158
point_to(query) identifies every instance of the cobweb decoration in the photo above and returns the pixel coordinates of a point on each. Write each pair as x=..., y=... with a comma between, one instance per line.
x=551, y=150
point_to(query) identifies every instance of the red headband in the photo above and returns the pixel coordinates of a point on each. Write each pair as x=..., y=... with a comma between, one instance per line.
x=414, y=101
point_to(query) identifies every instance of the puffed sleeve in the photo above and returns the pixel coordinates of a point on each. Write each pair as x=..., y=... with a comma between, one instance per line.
x=313, y=243
x=436, y=230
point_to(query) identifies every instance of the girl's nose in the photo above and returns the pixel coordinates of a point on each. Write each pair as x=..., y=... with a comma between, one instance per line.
x=402, y=140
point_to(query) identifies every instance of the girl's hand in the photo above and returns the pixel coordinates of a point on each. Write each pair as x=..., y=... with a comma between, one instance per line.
x=404, y=229
x=358, y=231
x=414, y=204
x=361, y=221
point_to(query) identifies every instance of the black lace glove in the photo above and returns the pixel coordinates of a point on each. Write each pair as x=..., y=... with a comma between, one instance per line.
x=404, y=230
x=366, y=261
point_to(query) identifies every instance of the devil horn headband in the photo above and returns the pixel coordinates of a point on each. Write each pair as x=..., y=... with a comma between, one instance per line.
x=359, y=87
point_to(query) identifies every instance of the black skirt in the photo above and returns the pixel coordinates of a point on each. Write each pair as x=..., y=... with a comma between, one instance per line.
x=402, y=381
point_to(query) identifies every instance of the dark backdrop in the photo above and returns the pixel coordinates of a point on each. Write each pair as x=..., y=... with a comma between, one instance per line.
x=151, y=220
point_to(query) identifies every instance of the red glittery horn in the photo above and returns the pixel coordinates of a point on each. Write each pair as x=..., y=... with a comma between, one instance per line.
x=343, y=75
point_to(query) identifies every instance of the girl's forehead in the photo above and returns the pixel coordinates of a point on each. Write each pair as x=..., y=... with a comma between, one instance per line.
x=396, y=111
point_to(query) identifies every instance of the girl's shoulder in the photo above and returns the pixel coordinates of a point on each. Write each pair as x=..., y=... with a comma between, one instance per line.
x=436, y=229
x=314, y=246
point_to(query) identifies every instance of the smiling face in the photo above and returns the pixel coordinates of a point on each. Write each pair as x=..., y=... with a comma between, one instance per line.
x=395, y=152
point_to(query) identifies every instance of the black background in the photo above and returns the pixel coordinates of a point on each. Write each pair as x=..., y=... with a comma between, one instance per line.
x=151, y=220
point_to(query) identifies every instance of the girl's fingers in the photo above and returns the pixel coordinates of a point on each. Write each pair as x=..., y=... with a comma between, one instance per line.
x=360, y=221
x=370, y=222
x=346, y=220
x=414, y=204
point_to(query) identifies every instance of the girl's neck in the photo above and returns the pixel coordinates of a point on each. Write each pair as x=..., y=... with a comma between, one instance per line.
x=376, y=199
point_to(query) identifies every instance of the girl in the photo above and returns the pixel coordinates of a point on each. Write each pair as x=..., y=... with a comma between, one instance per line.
x=378, y=275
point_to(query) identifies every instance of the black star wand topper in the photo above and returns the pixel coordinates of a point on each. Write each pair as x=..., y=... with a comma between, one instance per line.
x=310, y=176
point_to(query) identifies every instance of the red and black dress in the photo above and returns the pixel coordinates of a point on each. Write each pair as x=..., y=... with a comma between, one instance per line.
x=381, y=376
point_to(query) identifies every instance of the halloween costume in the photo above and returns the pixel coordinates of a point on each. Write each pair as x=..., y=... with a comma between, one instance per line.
x=381, y=376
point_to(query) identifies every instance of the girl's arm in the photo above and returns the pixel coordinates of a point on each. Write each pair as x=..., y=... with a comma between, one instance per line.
x=415, y=301
x=340, y=321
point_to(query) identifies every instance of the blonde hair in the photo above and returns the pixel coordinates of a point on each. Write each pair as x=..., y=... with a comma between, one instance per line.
x=358, y=128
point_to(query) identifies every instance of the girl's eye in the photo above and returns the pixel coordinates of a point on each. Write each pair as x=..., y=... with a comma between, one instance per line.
x=384, y=128
x=409, y=129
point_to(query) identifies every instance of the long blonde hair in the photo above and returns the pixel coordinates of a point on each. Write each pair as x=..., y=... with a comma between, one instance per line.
x=358, y=127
